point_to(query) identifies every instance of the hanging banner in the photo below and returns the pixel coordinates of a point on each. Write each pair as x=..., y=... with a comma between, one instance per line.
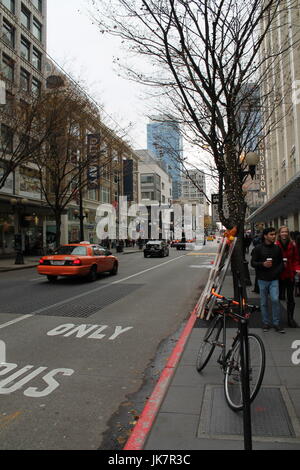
x=93, y=151
x=93, y=146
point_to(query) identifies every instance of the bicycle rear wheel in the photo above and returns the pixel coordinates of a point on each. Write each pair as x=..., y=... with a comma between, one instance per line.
x=209, y=343
x=233, y=379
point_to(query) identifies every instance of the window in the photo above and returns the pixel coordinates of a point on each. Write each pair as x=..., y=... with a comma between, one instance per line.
x=8, y=34
x=24, y=80
x=37, y=29
x=35, y=86
x=147, y=179
x=6, y=139
x=25, y=49
x=10, y=103
x=105, y=194
x=8, y=67
x=9, y=4
x=71, y=250
x=25, y=17
x=37, y=4
x=36, y=59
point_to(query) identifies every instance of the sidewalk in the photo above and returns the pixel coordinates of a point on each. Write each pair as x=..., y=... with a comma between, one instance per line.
x=8, y=264
x=194, y=415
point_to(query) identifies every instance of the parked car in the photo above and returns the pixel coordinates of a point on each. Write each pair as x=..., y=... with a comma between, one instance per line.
x=156, y=248
x=78, y=259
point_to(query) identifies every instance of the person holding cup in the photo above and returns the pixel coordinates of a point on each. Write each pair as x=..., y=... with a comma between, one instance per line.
x=267, y=260
x=291, y=267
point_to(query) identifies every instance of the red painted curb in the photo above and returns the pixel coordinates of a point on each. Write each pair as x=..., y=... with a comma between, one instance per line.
x=141, y=430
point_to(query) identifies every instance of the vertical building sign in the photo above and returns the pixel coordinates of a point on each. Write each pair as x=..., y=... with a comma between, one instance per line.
x=93, y=149
x=262, y=173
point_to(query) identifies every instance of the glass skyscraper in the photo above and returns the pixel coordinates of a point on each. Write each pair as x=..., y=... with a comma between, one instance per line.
x=164, y=140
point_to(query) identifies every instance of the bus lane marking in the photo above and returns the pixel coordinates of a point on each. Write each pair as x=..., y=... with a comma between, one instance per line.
x=69, y=329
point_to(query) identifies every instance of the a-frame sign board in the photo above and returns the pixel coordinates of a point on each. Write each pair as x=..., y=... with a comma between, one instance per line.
x=216, y=276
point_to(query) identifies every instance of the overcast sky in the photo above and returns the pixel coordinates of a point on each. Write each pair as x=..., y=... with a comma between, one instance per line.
x=78, y=47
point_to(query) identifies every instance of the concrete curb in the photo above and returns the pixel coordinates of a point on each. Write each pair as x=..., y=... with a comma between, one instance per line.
x=141, y=430
x=17, y=268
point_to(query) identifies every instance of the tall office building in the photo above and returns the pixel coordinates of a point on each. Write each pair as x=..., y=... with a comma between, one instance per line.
x=164, y=140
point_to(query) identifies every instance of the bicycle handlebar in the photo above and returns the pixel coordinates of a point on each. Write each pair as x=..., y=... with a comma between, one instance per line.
x=249, y=307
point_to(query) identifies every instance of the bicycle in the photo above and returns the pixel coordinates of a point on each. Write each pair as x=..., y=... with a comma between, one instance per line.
x=230, y=361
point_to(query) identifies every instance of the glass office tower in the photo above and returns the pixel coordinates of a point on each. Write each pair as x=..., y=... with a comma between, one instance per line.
x=164, y=140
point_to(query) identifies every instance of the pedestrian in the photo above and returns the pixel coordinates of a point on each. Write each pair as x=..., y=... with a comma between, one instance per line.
x=297, y=276
x=257, y=240
x=247, y=242
x=287, y=277
x=268, y=262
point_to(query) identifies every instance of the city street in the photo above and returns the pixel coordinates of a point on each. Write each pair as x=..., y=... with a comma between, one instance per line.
x=75, y=351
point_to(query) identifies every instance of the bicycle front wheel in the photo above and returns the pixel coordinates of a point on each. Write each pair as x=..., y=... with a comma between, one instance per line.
x=209, y=343
x=233, y=378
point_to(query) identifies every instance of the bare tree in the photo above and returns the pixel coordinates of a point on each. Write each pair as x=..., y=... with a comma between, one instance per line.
x=67, y=163
x=208, y=60
x=22, y=135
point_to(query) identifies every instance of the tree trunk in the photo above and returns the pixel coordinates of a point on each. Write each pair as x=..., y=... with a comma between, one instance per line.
x=239, y=267
x=58, y=228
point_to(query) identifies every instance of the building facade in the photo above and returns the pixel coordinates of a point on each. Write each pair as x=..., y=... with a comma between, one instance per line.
x=26, y=220
x=164, y=140
x=22, y=48
x=193, y=186
x=155, y=186
x=282, y=145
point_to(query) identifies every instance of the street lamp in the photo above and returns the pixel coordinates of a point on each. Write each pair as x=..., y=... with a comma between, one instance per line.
x=252, y=160
x=81, y=214
x=18, y=205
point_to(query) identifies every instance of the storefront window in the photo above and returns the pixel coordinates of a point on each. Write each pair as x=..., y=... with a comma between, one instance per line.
x=30, y=183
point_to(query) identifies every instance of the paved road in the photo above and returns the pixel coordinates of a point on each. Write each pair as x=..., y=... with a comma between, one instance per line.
x=75, y=351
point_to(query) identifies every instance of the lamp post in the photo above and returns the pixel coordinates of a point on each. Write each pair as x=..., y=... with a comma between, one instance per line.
x=18, y=205
x=252, y=160
x=81, y=214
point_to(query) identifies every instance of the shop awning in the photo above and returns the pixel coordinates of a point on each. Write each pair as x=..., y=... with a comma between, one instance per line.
x=285, y=202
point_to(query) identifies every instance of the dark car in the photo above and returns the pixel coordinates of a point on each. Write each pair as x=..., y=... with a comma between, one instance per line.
x=156, y=248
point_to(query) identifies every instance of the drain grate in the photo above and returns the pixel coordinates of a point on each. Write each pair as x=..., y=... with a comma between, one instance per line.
x=88, y=305
x=272, y=416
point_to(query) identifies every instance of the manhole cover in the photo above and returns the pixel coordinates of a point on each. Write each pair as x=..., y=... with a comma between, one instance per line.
x=272, y=416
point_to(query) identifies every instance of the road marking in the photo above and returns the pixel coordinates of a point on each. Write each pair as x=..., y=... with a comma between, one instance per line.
x=16, y=320
x=58, y=304
x=2, y=352
x=201, y=266
x=37, y=279
x=201, y=254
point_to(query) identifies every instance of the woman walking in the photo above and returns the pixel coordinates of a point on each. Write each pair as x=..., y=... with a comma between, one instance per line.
x=287, y=277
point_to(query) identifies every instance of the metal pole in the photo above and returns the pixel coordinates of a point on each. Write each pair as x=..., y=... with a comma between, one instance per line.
x=81, y=216
x=244, y=354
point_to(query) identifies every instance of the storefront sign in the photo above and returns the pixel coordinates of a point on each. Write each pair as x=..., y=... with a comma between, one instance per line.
x=262, y=173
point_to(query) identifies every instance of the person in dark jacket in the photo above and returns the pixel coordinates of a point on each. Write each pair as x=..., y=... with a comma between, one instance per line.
x=291, y=267
x=268, y=262
x=257, y=240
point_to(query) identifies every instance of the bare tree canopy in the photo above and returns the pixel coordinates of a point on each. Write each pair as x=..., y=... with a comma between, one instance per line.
x=209, y=61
